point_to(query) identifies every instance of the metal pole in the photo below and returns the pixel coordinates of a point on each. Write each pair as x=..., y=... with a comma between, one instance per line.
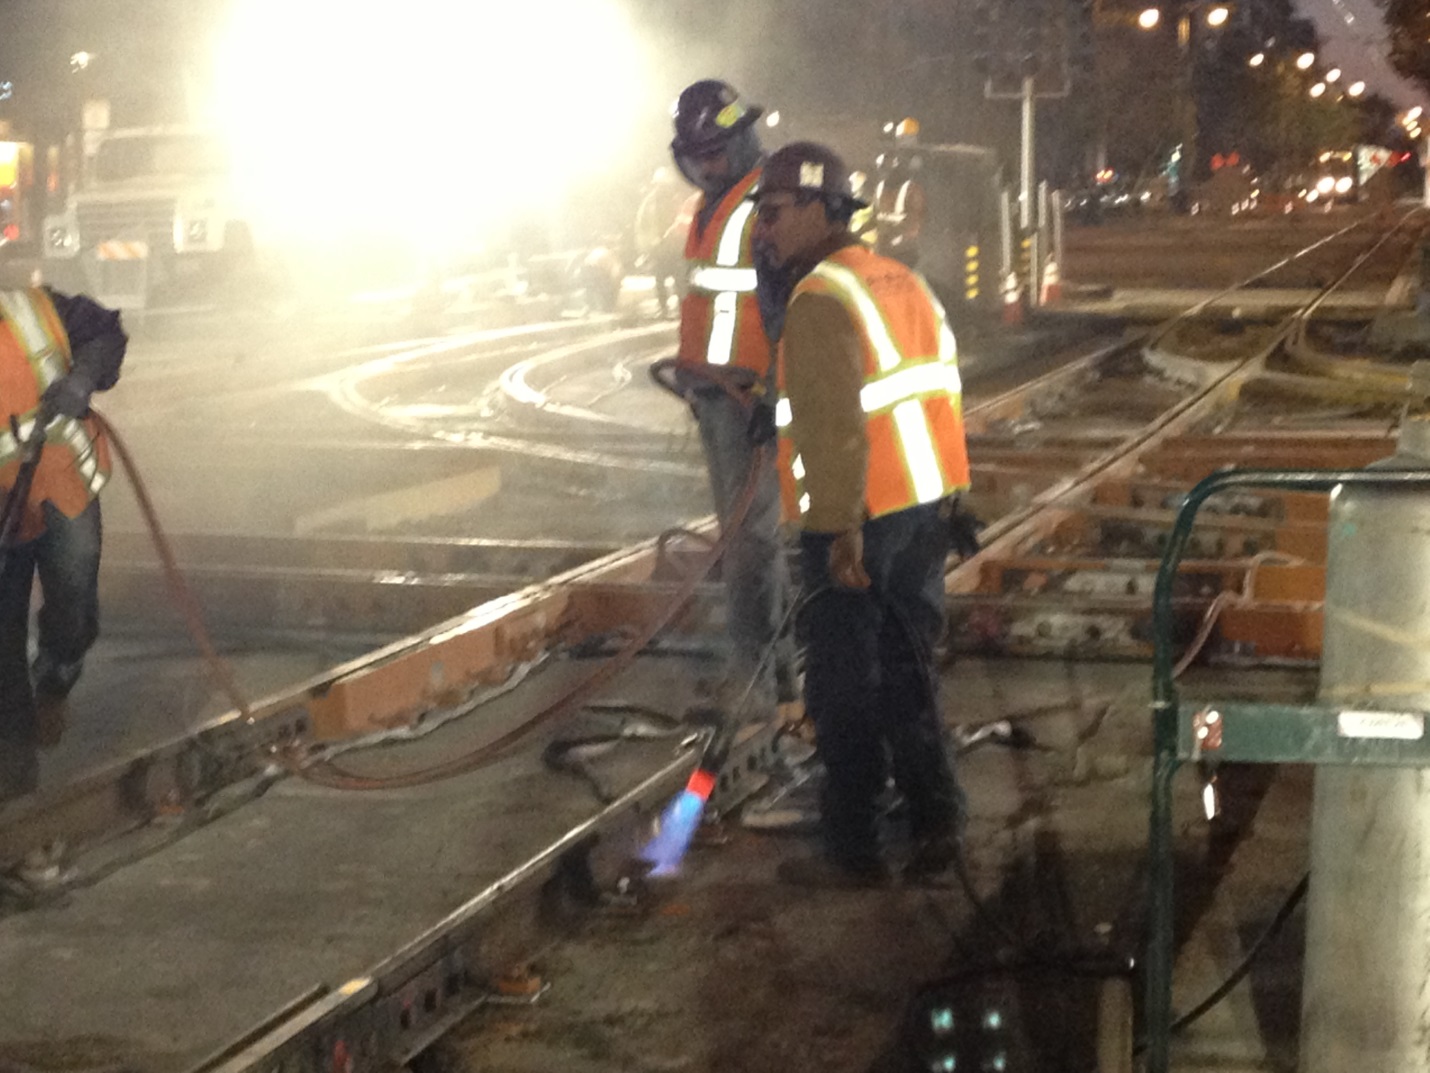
x=1005, y=235
x=1425, y=164
x=1364, y=1004
x=1025, y=207
x=1057, y=198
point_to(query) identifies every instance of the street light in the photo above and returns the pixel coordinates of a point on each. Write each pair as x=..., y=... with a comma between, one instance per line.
x=1318, y=89
x=1355, y=89
x=1257, y=60
x=1149, y=18
x=1217, y=16
x=1305, y=60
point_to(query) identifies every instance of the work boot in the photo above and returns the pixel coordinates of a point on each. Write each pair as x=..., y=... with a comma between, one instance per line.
x=835, y=873
x=51, y=718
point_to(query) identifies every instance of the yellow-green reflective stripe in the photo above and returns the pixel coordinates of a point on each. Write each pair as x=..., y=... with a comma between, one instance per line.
x=732, y=238
x=912, y=381
x=852, y=288
x=713, y=278
x=920, y=458
x=40, y=345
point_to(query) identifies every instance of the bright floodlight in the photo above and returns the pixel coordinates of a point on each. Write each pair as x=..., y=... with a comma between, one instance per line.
x=1333, y=75
x=1305, y=60
x=1355, y=89
x=80, y=60
x=418, y=130
x=1325, y=184
x=1149, y=18
x=1344, y=184
x=1257, y=60
x=1217, y=16
x=1414, y=114
x=1318, y=89
x=773, y=119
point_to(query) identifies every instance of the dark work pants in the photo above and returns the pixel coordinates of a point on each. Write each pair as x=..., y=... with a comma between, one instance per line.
x=870, y=684
x=66, y=558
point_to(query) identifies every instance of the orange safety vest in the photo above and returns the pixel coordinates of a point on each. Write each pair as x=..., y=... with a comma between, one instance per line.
x=34, y=353
x=912, y=396
x=720, y=317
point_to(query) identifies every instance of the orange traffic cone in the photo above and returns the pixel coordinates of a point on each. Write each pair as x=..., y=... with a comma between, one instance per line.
x=1012, y=299
x=1052, y=290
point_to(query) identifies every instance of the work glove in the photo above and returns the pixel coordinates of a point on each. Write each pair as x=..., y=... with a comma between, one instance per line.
x=762, y=428
x=963, y=527
x=69, y=395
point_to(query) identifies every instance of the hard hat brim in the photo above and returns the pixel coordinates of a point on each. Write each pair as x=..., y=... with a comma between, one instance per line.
x=680, y=146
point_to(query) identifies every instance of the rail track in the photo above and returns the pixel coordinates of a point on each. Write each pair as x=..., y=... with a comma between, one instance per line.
x=371, y=943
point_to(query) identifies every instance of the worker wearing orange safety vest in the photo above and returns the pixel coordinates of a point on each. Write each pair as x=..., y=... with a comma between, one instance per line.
x=871, y=433
x=55, y=351
x=899, y=201
x=724, y=368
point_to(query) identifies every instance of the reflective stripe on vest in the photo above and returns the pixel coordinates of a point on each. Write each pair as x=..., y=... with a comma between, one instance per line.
x=900, y=201
x=42, y=350
x=728, y=282
x=899, y=387
x=47, y=356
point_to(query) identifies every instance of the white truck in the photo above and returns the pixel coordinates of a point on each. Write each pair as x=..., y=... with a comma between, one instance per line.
x=163, y=196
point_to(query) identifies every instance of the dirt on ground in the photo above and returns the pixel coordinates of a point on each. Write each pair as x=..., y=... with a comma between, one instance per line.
x=730, y=970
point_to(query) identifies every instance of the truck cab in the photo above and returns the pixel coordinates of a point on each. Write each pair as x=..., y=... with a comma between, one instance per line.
x=161, y=193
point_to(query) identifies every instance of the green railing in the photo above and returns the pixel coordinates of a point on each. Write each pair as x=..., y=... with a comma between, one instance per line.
x=1260, y=733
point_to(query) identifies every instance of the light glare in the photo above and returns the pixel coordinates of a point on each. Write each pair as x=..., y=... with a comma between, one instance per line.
x=1149, y=18
x=1305, y=60
x=420, y=128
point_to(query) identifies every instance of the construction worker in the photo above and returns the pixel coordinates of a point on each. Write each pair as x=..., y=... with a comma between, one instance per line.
x=872, y=456
x=662, y=223
x=899, y=202
x=55, y=352
x=725, y=364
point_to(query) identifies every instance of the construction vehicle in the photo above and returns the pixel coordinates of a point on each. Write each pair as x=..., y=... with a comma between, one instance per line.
x=163, y=196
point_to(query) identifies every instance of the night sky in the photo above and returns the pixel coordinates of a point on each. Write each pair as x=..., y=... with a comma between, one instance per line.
x=1355, y=40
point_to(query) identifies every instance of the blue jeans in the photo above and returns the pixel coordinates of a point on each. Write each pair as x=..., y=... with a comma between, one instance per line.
x=66, y=558
x=870, y=683
x=754, y=568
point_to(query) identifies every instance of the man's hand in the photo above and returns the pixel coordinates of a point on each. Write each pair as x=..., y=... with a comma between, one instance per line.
x=963, y=527
x=68, y=396
x=846, y=560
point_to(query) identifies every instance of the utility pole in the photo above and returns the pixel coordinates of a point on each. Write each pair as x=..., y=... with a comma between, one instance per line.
x=1026, y=181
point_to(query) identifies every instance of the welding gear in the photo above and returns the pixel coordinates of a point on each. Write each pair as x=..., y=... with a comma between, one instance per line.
x=69, y=395
x=711, y=121
x=963, y=529
x=911, y=396
x=708, y=114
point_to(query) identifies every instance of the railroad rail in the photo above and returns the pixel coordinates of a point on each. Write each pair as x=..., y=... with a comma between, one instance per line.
x=1076, y=515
